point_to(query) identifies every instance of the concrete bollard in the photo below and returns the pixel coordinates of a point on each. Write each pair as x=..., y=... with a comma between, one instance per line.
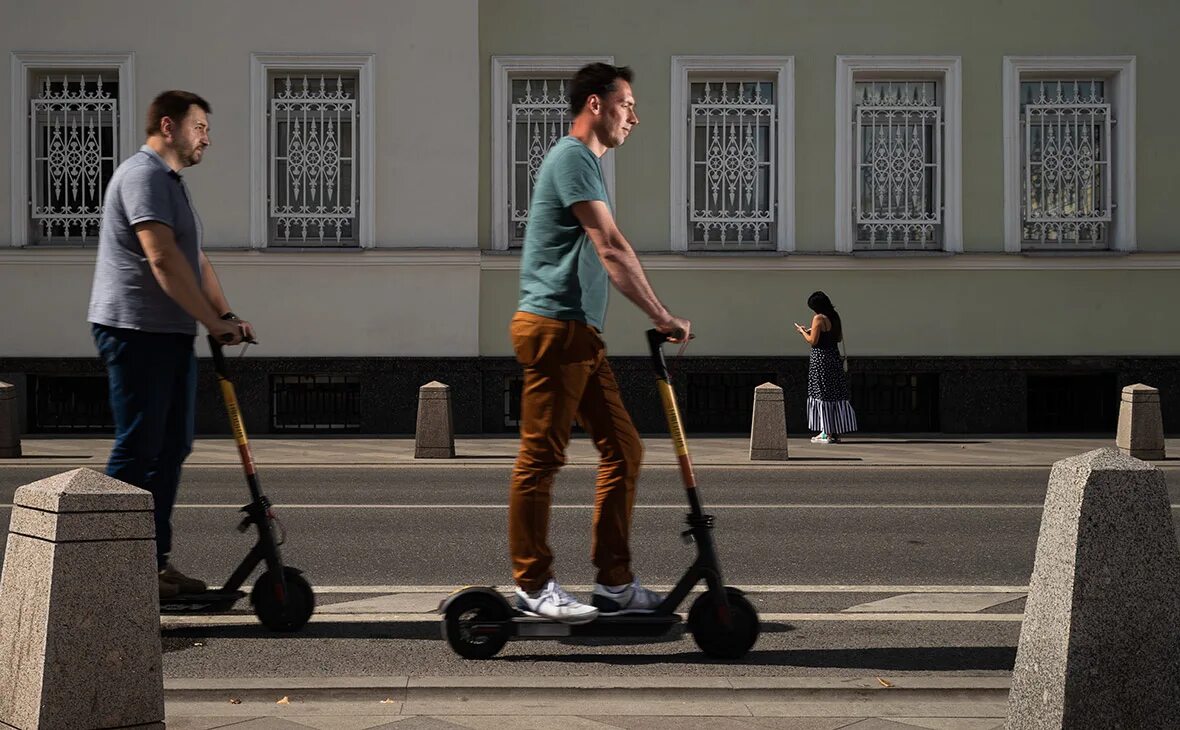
x=79, y=607
x=768, y=428
x=1141, y=426
x=1099, y=646
x=9, y=424
x=435, y=432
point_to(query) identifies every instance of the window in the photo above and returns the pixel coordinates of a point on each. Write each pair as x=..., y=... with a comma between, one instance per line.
x=1069, y=151
x=898, y=183
x=312, y=151
x=540, y=116
x=732, y=151
x=1065, y=164
x=898, y=176
x=71, y=130
x=530, y=113
x=312, y=170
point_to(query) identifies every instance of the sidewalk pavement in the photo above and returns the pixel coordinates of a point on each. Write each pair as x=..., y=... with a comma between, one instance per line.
x=637, y=703
x=859, y=450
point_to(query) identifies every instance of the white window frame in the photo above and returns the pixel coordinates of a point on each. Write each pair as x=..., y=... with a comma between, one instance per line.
x=504, y=70
x=783, y=70
x=951, y=85
x=24, y=65
x=261, y=66
x=1119, y=73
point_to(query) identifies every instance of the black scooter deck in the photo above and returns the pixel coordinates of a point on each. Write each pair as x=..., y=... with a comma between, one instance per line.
x=620, y=625
x=198, y=603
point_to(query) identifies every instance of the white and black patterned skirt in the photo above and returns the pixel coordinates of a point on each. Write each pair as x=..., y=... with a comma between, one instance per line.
x=828, y=406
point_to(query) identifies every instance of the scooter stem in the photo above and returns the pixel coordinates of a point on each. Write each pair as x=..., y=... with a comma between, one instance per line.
x=655, y=342
x=235, y=415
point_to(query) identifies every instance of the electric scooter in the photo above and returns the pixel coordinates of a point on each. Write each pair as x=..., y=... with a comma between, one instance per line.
x=282, y=598
x=478, y=621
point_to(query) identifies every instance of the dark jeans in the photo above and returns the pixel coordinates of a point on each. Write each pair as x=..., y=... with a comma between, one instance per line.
x=153, y=386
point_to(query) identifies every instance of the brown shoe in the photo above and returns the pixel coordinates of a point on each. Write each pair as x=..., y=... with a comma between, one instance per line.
x=183, y=583
x=168, y=589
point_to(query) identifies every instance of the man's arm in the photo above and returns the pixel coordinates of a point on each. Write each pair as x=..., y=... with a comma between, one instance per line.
x=177, y=279
x=211, y=285
x=623, y=267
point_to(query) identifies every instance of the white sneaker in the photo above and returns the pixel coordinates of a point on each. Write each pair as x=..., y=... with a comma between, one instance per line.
x=553, y=602
x=629, y=598
x=822, y=438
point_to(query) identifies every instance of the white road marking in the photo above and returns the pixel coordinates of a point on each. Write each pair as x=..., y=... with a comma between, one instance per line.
x=792, y=505
x=931, y=602
x=325, y=617
x=765, y=588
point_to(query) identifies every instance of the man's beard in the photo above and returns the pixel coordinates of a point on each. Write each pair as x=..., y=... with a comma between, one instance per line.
x=190, y=156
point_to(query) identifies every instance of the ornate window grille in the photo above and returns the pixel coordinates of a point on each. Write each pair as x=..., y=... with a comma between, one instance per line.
x=898, y=134
x=74, y=143
x=1065, y=165
x=312, y=189
x=539, y=115
x=732, y=139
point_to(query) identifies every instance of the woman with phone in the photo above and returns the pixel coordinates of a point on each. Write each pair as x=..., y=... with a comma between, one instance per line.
x=828, y=408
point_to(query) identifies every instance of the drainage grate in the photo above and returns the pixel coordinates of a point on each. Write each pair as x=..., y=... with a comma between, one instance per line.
x=315, y=403
x=513, y=384
x=721, y=402
x=69, y=404
x=895, y=402
x=1073, y=403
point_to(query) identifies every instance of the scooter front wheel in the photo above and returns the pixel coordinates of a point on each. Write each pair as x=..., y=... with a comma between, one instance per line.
x=709, y=631
x=477, y=624
x=279, y=610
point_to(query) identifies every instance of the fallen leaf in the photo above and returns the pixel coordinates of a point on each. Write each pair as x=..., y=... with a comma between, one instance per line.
x=234, y=701
x=885, y=682
x=198, y=643
x=284, y=701
x=388, y=701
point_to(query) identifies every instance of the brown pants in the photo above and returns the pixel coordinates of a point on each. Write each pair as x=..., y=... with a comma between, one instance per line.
x=566, y=375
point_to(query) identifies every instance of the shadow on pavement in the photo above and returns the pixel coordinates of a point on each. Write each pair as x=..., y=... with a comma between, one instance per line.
x=933, y=659
x=893, y=442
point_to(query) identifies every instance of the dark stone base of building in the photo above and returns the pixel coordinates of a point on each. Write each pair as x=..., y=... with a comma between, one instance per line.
x=380, y=395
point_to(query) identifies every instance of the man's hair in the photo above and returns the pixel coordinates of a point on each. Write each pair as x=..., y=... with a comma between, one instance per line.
x=595, y=79
x=173, y=104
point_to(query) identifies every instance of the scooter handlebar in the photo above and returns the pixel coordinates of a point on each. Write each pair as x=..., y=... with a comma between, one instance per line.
x=215, y=346
x=655, y=345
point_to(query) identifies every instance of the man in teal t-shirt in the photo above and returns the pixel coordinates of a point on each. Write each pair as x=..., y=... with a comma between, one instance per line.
x=573, y=251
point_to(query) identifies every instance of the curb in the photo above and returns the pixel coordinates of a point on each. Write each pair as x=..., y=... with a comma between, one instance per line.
x=434, y=690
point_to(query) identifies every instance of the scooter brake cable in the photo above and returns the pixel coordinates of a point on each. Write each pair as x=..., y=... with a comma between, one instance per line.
x=679, y=352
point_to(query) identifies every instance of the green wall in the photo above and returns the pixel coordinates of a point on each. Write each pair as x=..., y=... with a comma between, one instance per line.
x=963, y=313
x=645, y=35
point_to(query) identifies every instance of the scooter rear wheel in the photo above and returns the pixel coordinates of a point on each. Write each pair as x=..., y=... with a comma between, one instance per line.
x=476, y=625
x=712, y=637
x=290, y=613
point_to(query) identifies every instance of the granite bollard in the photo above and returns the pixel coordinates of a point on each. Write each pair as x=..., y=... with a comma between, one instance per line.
x=1100, y=642
x=79, y=607
x=435, y=431
x=9, y=425
x=1141, y=425
x=768, y=427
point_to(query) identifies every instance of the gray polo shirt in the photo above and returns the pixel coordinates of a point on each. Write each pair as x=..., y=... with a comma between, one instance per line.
x=125, y=293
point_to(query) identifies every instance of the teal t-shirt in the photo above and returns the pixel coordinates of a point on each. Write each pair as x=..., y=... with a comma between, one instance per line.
x=561, y=275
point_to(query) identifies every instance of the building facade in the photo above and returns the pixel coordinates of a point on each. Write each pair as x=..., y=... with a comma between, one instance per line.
x=983, y=189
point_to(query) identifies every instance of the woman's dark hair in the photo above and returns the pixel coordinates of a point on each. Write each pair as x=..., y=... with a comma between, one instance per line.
x=595, y=78
x=819, y=303
x=174, y=105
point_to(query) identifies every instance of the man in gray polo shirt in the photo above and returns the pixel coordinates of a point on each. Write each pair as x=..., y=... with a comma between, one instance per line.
x=152, y=284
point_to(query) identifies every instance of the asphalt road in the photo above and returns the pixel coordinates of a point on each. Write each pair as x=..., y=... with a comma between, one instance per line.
x=776, y=526
x=446, y=526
